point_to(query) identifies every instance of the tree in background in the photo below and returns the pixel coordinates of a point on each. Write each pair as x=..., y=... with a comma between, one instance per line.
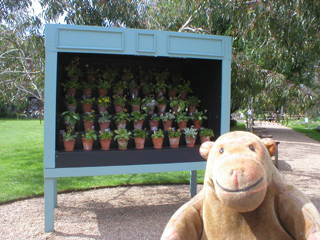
x=275, y=49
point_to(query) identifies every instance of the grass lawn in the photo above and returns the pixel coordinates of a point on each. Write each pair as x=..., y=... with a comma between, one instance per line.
x=21, y=165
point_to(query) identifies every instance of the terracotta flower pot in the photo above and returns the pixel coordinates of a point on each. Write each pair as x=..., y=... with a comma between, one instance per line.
x=174, y=109
x=122, y=124
x=139, y=143
x=174, y=142
x=138, y=125
x=69, y=145
x=87, y=144
x=172, y=93
x=167, y=125
x=71, y=92
x=135, y=107
x=102, y=92
x=190, y=142
x=204, y=139
x=162, y=108
x=104, y=125
x=90, y=79
x=122, y=143
x=71, y=107
x=87, y=125
x=105, y=144
x=119, y=92
x=102, y=108
x=150, y=111
x=153, y=124
x=182, y=125
x=157, y=143
x=191, y=109
x=86, y=107
x=87, y=92
x=183, y=95
x=118, y=108
x=134, y=91
x=197, y=124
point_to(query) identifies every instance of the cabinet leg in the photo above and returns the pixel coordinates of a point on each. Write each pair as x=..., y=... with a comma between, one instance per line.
x=49, y=203
x=193, y=183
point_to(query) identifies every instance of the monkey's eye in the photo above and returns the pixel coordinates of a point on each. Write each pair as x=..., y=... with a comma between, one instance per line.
x=221, y=150
x=252, y=148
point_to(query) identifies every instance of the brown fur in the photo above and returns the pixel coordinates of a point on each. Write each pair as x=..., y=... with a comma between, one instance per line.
x=244, y=197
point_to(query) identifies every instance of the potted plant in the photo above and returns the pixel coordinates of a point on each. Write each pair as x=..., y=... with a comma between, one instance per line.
x=198, y=117
x=190, y=135
x=154, y=121
x=162, y=104
x=193, y=102
x=87, y=104
x=73, y=70
x=103, y=103
x=71, y=87
x=177, y=105
x=122, y=136
x=69, y=139
x=174, y=137
x=139, y=137
x=160, y=88
x=183, y=89
x=121, y=119
x=91, y=72
x=148, y=104
x=110, y=74
x=70, y=118
x=126, y=75
x=135, y=104
x=104, y=121
x=138, y=119
x=105, y=137
x=182, y=119
x=88, y=120
x=71, y=103
x=87, y=139
x=167, y=119
x=119, y=103
x=157, y=139
x=133, y=88
x=103, y=86
x=206, y=134
x=87, y=89
x=119, y=88
x=146, y=75
x=147, y=88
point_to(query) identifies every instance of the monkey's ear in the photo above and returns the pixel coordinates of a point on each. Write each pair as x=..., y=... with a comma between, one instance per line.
x=205, y=149
x=270, y=145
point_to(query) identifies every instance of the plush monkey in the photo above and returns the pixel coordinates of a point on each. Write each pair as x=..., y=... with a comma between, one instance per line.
x=244, y=197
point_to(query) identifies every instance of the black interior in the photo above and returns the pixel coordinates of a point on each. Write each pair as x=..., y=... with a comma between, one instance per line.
x=205, y=77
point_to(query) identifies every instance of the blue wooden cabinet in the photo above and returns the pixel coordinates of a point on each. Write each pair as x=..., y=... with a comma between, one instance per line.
x=205, y=60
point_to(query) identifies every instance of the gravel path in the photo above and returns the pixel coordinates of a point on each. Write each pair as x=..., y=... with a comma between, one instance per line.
x=141, y=212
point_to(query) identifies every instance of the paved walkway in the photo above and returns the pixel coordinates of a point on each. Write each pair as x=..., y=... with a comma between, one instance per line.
x=141, y=212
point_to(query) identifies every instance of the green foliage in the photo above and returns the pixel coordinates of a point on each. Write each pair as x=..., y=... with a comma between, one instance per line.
x=140, y=133
x=199, y=115
x=157, y=134
x=121, y=116
x=69, y=134
x=138, y=115
x=89, y=116
x=167, y=116
x=70, y=117
x=174, y=133
x=120, y=100
x=107, y=134
x=122, y=133
x=105, y=116
x=190, y=132
x=206, y=132
x=182, y=116
x=90, y=135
